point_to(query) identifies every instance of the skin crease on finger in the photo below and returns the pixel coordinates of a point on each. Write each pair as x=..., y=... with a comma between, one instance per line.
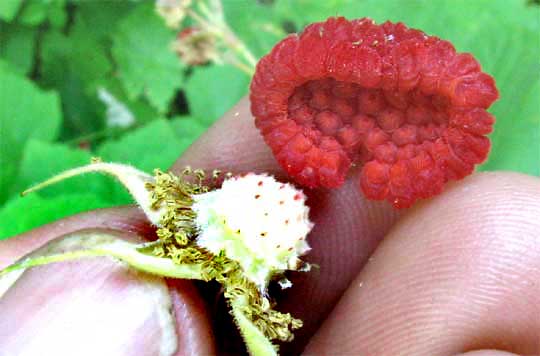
x=458, y=273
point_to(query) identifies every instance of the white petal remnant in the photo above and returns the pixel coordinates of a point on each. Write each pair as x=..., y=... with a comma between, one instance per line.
x=257, y=221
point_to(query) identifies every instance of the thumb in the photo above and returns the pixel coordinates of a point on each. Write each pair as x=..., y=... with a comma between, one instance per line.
x=100, y=307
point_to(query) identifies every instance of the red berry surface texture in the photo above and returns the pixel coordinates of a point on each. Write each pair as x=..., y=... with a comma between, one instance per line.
x=401, y=105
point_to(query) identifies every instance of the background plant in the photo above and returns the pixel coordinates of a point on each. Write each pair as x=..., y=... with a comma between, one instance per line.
x=106, y=78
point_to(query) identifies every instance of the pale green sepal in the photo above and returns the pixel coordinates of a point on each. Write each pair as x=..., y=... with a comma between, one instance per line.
x=257, y=344
x=131, y=178
x=96, y=244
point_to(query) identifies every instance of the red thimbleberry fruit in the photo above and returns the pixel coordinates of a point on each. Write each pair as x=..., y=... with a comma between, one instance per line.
x=402, y=105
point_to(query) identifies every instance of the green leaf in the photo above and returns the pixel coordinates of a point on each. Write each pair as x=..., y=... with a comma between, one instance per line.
x=102, y=16
x=18, y=46
x=33, y=12
x=9, y=8
x=304, y=12
x=212, y=91
x=22, y=214
x=26, y=112
x=516, y=140
x=146, y=63
x=87, y=55
x=152, y=146
x=80, y=52
x=74, y=65
x=57, y=13
x=254, y=23
x=40, y=162
x=187, y=128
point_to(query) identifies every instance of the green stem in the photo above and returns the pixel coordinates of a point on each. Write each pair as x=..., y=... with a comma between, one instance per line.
x=256, y=342
x=102, y=244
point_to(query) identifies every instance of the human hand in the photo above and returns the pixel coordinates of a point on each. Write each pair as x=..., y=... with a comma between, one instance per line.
x=456, y=273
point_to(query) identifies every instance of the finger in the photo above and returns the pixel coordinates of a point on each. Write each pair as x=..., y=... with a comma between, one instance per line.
x=100, y=307
x=347, y=227
x=457, y=273
x=193, y=325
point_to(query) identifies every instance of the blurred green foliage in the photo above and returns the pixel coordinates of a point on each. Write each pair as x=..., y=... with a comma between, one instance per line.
x=66, y=66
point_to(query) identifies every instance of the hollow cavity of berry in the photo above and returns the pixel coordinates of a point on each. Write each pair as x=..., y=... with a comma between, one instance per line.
x=405, y=107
